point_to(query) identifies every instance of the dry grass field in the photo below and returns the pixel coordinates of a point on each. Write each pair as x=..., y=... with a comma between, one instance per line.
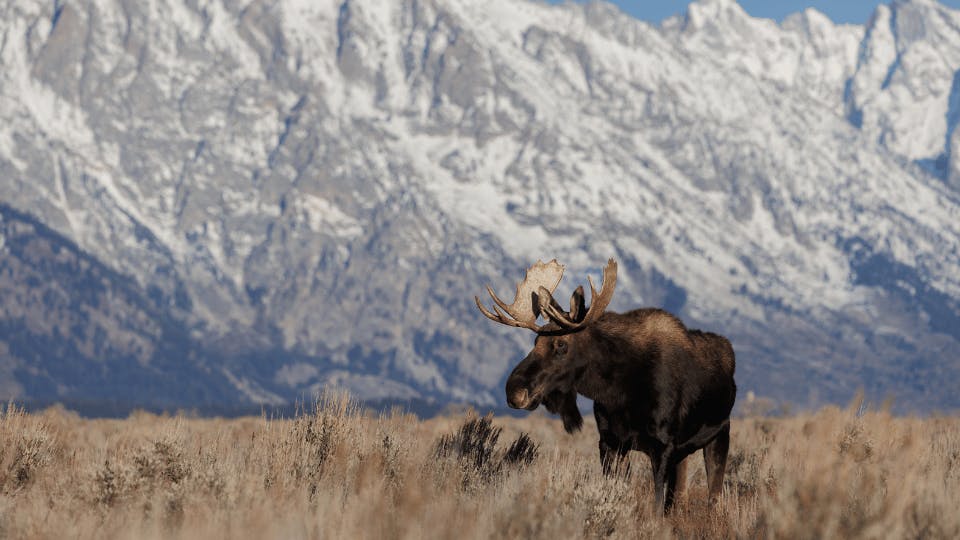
x=338, y=472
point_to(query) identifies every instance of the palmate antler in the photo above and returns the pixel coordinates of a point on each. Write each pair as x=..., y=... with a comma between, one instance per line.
x=525, y=308
x=535, y=297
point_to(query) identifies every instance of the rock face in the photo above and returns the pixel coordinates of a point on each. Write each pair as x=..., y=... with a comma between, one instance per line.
x=207, y=202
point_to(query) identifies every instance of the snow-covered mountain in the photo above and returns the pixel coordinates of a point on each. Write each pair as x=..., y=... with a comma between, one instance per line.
x=208, y=202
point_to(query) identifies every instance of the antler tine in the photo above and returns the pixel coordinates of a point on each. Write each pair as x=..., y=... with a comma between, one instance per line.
x=516, y=322
x=483, y=310
x=598, y=301
x=522, y=312
x=503, y=318
x=552, y=309
x=503, y=305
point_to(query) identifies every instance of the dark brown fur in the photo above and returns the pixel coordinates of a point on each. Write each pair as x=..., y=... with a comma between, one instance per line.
x=565, y=404
x=657, y=387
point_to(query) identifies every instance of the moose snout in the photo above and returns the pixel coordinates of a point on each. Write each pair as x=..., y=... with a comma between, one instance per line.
x=521, y=384
x=519, y=396
x=518, y=399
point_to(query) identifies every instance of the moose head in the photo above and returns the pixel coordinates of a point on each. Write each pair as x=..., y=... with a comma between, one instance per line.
x=563, y=345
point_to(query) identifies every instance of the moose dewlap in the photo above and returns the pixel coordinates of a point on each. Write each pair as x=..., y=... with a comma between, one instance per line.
x=656, y=386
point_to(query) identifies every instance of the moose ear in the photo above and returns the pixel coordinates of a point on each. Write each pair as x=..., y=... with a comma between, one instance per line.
x=546, y=302
x=578, y=307
x=535, y=304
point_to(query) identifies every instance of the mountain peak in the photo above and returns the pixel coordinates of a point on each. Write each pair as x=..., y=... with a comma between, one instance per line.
x=931, y=3
x=810, y=21
x=715, y=8
x=703, y=12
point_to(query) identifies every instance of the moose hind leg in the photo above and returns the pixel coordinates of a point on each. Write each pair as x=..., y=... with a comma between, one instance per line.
x=715, y=459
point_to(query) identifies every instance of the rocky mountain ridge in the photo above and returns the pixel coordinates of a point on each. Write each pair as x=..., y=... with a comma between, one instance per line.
x=279, y=198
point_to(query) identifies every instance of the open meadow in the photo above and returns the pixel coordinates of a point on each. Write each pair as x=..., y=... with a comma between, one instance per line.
x=339, y=472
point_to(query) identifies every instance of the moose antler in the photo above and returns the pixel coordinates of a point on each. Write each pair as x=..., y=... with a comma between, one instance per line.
x=576, y=319
x=535, y=297
x=525, y=309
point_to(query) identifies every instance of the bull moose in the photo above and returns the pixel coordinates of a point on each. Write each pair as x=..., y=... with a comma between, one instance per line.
x=656, y=386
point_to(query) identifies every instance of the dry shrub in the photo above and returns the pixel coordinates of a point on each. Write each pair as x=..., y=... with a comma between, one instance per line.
x=335, y=471
x=522, y=451
x=474, y=444
x=110, y=485
x=161, y=462
x=27, y=447
x=474, y=448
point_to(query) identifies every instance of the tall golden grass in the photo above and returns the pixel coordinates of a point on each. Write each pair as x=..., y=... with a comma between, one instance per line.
x=340, y=472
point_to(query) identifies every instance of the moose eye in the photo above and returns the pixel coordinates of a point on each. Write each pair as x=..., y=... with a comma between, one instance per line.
x=561, y=347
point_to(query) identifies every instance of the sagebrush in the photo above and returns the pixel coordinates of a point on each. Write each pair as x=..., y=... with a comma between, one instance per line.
x=341, y=472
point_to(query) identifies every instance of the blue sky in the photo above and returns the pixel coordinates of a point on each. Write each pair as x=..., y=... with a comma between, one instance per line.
x=844, y=11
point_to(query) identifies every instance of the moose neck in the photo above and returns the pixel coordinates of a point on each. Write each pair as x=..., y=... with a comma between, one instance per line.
x=600, y=375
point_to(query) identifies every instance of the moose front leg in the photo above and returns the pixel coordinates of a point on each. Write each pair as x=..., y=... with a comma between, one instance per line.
x=613, y=456
x=613, y=449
